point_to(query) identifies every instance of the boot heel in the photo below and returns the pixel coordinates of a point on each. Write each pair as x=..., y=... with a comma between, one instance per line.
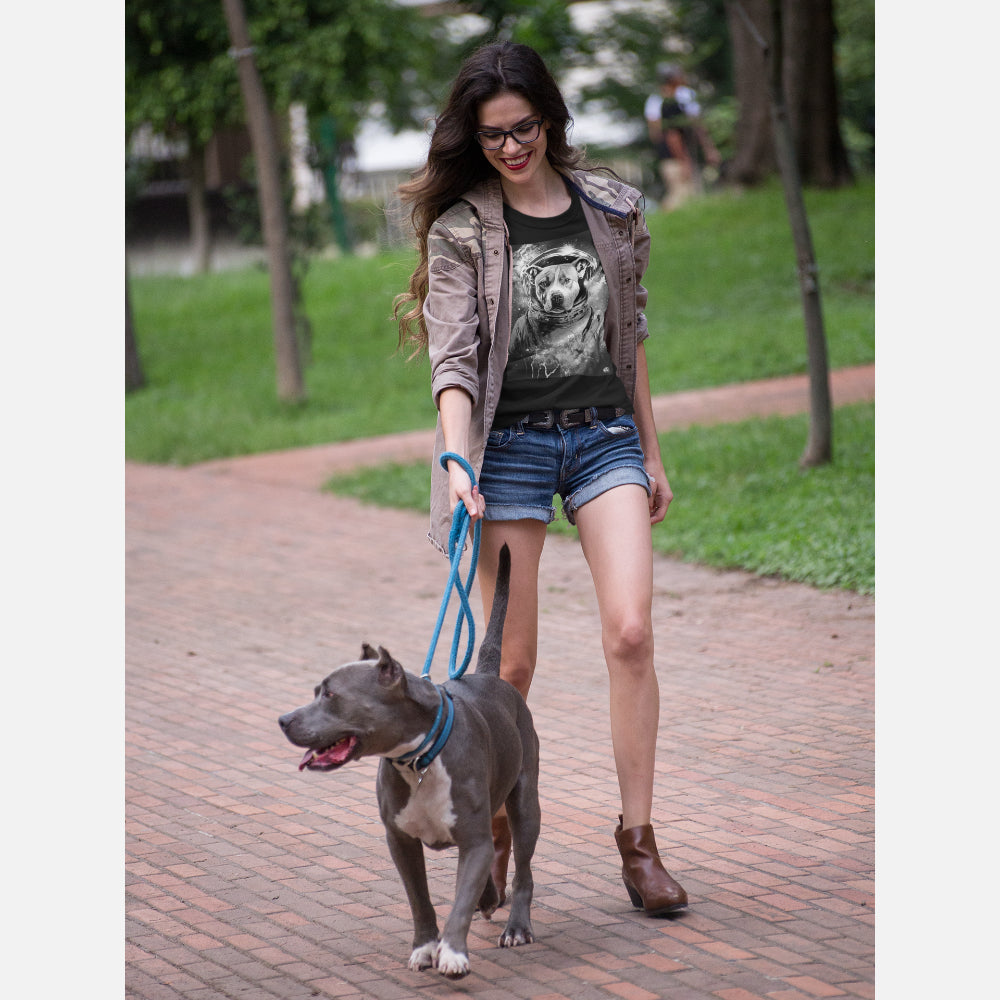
x=633, y=895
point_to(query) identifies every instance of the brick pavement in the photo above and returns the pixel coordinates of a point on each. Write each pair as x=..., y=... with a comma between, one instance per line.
x=248, y=879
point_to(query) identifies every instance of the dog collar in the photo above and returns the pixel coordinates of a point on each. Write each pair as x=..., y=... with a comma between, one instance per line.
x=420, y=759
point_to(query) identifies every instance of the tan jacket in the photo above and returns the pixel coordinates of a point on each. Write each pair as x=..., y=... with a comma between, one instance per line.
x=468, y=304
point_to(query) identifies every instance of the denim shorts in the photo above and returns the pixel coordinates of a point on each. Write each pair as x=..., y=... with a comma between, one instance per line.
x=525, y=467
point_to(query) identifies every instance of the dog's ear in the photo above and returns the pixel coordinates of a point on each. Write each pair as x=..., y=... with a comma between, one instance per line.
x=390, y=673
x=367, y=653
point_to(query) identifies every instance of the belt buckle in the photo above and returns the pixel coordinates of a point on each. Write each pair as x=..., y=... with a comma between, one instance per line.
x=564, y=418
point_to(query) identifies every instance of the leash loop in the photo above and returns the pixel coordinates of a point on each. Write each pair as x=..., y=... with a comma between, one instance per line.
x=456, y=545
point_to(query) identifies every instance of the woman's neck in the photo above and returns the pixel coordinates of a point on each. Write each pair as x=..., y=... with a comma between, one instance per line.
x=544, y=197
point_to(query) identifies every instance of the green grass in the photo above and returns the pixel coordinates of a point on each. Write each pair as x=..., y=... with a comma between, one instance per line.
x=724, y=307
x=725, y=304
x=740, y=500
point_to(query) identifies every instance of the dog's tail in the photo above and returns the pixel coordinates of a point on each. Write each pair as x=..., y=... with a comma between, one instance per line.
x=489, y=648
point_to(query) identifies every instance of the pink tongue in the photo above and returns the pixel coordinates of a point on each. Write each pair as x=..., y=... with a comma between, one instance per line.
x=336, y=754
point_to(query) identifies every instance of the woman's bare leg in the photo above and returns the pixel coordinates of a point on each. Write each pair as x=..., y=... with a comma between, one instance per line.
x=520, y=635
x=615, y=534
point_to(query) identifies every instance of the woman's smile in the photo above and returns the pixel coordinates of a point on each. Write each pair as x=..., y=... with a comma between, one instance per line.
x=513, y=160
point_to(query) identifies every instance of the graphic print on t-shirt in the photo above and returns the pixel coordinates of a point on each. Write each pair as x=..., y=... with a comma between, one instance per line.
x=560, y=295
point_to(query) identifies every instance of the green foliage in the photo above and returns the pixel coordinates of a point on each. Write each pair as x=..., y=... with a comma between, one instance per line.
x=855, y=49
x=206, y=345
x=347, y=58
x=178, y=77
x=723, y=307
x=694, y=34
x=740, y=500
x=545, y=25
x=343, y=58
x=724, y=298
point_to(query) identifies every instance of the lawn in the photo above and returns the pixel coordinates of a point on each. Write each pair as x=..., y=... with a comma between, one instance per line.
x=724, y=307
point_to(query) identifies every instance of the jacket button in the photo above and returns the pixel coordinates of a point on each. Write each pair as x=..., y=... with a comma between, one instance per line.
x=496, y=253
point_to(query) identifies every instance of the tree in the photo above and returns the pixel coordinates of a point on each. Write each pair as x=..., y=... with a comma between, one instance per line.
x=291, y=387
x=343, y=59
x=180, y=83
x=819, y=447
x=810, y=92
x=545, y=25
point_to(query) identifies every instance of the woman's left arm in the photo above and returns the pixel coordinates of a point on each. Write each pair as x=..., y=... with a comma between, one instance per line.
x=661, y=496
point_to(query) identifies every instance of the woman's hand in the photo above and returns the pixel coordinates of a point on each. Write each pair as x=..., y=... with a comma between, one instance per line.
x=661, y=495
x=461, y=490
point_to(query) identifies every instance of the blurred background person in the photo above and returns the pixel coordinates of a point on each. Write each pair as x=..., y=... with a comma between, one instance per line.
x=680, y=142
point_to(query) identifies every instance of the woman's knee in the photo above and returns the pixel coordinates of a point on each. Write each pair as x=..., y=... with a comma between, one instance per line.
x=629, y=641
x=519, y=672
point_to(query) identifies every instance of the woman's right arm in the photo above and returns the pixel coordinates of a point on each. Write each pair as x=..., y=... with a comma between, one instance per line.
x=453, y=346
x=455, y=407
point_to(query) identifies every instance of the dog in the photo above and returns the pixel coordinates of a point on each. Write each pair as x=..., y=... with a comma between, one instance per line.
x=562, y=331
x=488, y=759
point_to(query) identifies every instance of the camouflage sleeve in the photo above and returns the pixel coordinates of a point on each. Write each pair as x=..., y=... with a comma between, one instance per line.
x=641, y=243
x=451, y=309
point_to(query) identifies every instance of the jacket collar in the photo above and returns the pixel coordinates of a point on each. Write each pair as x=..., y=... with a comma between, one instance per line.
x=599, y=191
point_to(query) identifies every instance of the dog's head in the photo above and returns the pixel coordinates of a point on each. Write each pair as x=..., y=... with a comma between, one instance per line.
x=558, y=282
x=355, y=712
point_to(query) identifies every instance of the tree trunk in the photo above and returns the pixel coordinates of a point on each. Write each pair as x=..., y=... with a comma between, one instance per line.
x=272, y=207
x=749, y=31
x=198, y=218
x=819, y=446
x=134, y=377
x=809, y=92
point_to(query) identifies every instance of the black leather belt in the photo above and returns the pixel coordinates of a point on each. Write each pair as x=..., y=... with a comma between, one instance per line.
x=544, y=419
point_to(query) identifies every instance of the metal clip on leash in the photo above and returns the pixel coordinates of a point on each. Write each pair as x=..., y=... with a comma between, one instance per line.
x=456, y=544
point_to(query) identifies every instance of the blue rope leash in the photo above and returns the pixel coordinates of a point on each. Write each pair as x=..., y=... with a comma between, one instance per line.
x=456, y=544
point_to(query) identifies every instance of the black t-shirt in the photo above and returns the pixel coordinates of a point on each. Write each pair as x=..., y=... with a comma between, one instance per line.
x=558, y=358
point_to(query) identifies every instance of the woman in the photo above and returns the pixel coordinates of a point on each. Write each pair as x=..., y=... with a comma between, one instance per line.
x=527, y=297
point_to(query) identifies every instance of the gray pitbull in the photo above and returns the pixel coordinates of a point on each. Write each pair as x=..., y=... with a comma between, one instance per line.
x=452, y=755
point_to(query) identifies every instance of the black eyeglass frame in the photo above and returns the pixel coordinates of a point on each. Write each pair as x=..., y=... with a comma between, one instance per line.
x=537, y=122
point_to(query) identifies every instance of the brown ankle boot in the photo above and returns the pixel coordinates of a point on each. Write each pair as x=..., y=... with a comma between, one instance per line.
x=501, y=855
x=649, y=884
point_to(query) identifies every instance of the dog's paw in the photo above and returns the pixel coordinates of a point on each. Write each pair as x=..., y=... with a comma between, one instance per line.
x=423, y=957
x=452, y=964
x=489, y=900
x=513, y=936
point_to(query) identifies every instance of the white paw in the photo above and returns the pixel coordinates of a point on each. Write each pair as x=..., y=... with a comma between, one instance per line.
x=451, y=963
x=423, y=957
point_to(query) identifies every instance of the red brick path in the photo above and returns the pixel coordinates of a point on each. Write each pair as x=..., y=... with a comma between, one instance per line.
x=245, y=878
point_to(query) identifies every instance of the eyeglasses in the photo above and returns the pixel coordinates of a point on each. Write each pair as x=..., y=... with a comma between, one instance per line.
x=495, y=138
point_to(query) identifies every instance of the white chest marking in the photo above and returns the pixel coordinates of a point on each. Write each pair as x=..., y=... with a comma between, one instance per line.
x=428, y=815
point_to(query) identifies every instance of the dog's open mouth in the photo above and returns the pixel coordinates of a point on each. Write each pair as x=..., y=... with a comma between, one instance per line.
x=334, y=756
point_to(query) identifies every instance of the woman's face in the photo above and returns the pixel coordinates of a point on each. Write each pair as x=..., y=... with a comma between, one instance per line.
x=515, y=162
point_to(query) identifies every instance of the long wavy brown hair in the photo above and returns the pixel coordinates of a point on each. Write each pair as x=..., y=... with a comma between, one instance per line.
x=455, y=161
